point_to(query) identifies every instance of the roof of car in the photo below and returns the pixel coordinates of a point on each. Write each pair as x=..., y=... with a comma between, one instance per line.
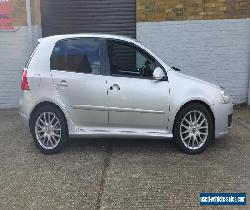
x=98, y=35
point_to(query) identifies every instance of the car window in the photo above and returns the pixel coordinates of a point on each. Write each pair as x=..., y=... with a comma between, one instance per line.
x=77, y=55
x=127, y=60
x=83, y=55
x=58, y=57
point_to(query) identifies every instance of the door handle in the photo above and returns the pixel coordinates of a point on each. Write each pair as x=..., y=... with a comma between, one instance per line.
x=114, y=87
x=63, y=83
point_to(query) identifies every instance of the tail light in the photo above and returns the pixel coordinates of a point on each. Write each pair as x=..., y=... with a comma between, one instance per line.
x=24, y=83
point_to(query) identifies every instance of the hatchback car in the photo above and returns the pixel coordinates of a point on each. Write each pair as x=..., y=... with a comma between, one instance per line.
x=107, y=85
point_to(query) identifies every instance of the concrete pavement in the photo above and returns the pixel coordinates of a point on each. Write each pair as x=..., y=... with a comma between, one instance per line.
x=119, y=174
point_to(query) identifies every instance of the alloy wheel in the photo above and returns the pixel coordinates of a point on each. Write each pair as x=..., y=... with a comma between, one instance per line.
x=48, y=130
x=194, y=130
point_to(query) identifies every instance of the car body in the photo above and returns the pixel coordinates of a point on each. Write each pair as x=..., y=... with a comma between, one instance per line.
x=108, y=99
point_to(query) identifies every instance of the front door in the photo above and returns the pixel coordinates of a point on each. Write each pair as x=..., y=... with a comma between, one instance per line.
x=136, y=102
x=76, y=66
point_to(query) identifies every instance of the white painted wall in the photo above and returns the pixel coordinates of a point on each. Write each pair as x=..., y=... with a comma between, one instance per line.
x=217, y=51
x=14, y=52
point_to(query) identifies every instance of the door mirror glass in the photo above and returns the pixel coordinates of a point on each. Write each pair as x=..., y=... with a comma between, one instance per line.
x=158, y=74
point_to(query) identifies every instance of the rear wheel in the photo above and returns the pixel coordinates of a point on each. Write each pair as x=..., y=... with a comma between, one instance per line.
x=193, y=129
x=49, y=129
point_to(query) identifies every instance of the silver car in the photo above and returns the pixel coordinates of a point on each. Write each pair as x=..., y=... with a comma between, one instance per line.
x=85, y=85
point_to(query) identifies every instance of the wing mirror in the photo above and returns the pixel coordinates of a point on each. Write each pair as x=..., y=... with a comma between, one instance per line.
x=158, y=74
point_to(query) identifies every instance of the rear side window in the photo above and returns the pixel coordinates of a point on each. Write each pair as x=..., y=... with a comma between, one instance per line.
x=58, y=57
x=31, y=55
x=77, y=55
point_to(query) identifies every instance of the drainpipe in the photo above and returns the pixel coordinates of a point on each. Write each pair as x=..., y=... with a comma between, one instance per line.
x=28, y=12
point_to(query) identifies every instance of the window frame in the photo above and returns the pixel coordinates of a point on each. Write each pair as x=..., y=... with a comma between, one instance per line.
x=101, y=54
x=137, y=48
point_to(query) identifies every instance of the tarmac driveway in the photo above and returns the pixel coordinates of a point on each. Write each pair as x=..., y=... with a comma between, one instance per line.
x=119, y=174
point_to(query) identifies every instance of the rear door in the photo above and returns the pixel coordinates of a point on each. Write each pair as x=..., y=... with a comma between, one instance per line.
x=77, y=70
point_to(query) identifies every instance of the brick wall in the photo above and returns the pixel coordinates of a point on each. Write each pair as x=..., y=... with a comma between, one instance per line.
x=14, y=51
x=208, y=39
x=35, y=9
x=161, y=10
x=19, y=12
x=214, y=51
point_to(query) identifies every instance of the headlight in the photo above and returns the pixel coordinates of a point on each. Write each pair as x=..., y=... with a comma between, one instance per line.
x=225, y=98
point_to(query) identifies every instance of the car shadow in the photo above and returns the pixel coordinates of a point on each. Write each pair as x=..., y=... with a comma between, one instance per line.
x=138, y=145
x=125, y=144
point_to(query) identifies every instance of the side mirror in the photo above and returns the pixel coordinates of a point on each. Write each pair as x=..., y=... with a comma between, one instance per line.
x=158, y=74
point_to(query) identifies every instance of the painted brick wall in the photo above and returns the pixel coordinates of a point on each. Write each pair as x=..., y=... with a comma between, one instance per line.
x=217, y=51
x=160, y=10
x=14, y=51
x=209, y=39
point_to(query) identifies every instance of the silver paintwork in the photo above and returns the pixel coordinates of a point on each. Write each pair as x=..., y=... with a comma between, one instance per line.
x=116, y=109
x=194, y=130
x=158, y=74
x=134, y=106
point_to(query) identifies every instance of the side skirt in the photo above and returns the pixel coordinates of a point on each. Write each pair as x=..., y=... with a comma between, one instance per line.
x=116, y=133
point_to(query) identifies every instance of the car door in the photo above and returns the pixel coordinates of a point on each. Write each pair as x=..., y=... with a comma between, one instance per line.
x=136, y=102
x=76, y=67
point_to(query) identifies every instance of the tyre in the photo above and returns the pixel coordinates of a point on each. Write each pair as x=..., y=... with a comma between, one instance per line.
x=193, y=128
x=48, y=127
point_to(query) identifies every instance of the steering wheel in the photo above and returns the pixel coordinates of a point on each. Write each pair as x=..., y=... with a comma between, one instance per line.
x=142, y=71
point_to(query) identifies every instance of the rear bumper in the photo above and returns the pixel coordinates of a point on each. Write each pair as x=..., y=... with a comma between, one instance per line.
x=25, y=107
x=223, y=119
x=24, y=119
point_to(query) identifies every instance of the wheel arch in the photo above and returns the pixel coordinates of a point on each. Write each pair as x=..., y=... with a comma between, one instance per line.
x=41, y=104
x=206, y=105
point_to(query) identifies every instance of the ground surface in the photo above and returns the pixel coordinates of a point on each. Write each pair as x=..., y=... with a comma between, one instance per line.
x=119, y=174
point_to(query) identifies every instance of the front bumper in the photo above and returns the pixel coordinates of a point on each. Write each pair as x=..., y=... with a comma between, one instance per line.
x=223, y=119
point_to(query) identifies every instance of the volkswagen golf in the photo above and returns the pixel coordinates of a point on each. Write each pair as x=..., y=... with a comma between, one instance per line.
x=84, y=85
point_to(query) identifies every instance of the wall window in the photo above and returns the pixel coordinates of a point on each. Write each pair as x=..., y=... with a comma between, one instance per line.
x=126, y=60
x=77, y=55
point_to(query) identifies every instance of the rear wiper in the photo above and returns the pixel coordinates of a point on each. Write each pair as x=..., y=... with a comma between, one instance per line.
x=175, y=68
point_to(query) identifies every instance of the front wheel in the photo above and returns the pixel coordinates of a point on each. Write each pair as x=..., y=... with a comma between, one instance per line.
x=49, y=129
x=193, y=128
